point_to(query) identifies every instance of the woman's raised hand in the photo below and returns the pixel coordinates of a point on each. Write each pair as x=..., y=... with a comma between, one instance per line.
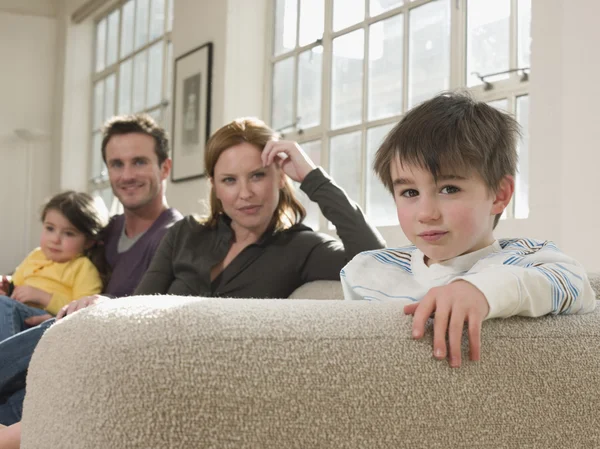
x=291, y=158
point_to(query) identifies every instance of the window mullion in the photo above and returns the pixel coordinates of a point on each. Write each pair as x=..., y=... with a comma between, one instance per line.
x=326, y=81
x=365, y=113
x=513, y=37
x=458, y=43
x=269, y=50
x=147, y=50
x=405, y=60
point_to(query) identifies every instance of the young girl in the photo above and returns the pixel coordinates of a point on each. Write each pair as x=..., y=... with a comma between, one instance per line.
x=68, y=265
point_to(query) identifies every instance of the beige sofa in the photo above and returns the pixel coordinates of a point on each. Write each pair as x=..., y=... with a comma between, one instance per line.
x=148, y=372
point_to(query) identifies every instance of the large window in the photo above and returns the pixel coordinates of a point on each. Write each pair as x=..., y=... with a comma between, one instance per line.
x=131, y=72
x=343, y=72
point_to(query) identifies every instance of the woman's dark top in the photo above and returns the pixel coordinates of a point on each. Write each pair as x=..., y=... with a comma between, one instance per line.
x=275, y=265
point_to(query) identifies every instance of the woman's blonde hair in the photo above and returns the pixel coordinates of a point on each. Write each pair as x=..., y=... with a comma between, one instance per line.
x=250, y=130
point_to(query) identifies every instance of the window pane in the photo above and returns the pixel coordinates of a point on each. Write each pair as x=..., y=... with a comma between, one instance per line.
x=169, y=61
x=113, y=38
x=98, y=104
x=345, y=163
x=100, y=45
x=170, y=21
x=429, y=51
x=379, y=6
x=381, y=209
x=313, y=150
x=156, y=115
x=347, y=79
x=524, y=36
x=98, y=166
x=522, y=178
x=127, y=28
x=488, y=28
x=157, y=19
x=385, y=67
x=107, y=196
x=500, y=104
x=347, y=12
x=286, y=14
x=125, y=75
x=312, y=20
x=283, y=90
x=155, y=69
x=139, y=81
x=109, y=97
x=141, y=22
x=309, y=87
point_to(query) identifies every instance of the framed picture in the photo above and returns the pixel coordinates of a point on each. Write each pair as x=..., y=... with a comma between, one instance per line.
x=191, y=112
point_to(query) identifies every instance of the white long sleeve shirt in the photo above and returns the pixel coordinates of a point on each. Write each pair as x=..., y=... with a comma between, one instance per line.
x=517, y=276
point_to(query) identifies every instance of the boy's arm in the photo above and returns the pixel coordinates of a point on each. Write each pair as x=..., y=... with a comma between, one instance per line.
x=349, y=292
x=532, y=278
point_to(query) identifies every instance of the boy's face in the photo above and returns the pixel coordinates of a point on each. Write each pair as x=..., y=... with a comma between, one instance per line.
x=449, y=218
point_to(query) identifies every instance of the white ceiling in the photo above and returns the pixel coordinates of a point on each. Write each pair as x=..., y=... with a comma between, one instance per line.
x=47, y=8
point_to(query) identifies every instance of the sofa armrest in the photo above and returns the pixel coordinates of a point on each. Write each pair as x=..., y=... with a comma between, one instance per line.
x=170, y=372
x=319, y=290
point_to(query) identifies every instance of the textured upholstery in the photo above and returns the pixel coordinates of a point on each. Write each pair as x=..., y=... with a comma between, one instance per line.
x=319, y=290
x=152, y=372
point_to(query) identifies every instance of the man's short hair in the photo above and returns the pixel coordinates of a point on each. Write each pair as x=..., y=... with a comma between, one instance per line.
x=137, y=123
x=454, y=133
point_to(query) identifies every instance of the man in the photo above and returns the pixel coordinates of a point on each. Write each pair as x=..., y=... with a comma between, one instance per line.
x=135, y=151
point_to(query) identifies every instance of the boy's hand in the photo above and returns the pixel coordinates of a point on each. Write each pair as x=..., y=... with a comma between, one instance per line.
x=453, y=304
x=27, y=294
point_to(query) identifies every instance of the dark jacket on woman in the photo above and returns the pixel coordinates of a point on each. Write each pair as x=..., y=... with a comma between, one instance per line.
x=275, y=265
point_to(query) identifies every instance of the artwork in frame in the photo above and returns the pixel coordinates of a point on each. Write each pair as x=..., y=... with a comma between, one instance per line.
x=192, y=79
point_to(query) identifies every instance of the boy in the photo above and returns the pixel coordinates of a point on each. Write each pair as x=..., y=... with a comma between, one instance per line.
x=450, y=165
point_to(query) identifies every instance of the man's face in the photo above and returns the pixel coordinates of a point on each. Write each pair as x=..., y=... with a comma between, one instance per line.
x=133, y=170
x=447, y=218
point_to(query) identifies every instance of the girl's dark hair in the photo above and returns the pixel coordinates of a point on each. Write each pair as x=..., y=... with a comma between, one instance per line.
x=83, y=213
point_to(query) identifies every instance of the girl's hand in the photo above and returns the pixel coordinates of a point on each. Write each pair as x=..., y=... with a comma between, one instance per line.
x=4, y=286
x=27, y=294
x=79, y=304
x=292, y=159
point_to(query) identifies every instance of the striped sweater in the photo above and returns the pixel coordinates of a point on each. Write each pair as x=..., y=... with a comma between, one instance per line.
x=517, y=276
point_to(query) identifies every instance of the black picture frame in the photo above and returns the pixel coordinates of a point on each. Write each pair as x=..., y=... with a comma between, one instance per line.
x=191, y=110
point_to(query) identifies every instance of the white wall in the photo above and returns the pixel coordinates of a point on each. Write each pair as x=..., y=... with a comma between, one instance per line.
x=237, y=30
x=197, y=22
x=27, y=51
x=580, y=119
x=46, y=8
x=73, y=112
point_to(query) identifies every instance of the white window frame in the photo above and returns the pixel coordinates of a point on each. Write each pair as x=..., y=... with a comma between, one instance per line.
x=97, y=183
x=510, y=88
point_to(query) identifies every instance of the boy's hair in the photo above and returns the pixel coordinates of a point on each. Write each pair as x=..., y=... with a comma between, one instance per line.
x=137, y=123
x=452, y=132
x=86, y=215
x=250, y=130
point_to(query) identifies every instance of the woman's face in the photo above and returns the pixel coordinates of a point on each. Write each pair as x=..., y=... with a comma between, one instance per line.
x=248, y=191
